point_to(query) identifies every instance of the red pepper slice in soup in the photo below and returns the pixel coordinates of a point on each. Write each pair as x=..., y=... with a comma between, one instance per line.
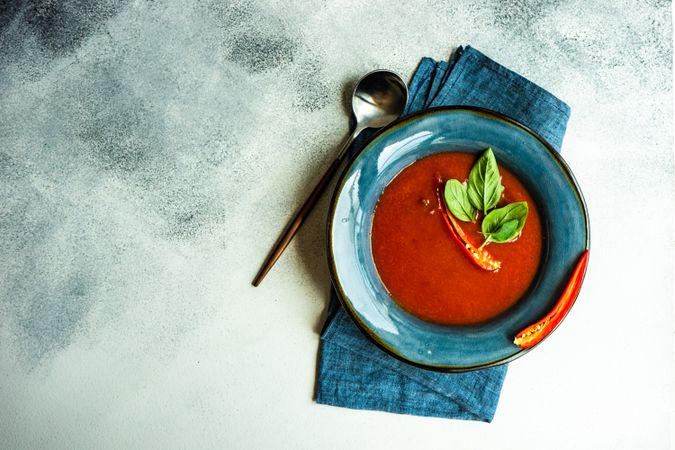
x=479, y=256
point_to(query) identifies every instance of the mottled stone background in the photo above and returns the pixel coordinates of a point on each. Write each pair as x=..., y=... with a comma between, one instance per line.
x=150, y=152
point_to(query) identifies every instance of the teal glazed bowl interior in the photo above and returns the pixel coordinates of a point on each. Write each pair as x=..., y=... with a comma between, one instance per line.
x=524, y=153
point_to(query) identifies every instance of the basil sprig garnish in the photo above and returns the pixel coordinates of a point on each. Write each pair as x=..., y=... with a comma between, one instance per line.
x=482, y=192
x=457, y=199
x=504, y=224
x=485, y=185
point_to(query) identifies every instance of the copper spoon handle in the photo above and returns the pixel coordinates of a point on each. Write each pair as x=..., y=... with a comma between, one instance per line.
x=304, y=211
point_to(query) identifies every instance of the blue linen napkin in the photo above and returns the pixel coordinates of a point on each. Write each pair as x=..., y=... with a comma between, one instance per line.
x=353, y=372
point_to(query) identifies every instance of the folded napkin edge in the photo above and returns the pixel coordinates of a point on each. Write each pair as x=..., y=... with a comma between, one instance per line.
x=470, y=391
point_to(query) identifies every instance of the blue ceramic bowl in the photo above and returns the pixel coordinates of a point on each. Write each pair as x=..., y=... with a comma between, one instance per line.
x=538, y=166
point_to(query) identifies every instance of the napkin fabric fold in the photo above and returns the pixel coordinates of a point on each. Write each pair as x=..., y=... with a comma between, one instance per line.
x=355, y=373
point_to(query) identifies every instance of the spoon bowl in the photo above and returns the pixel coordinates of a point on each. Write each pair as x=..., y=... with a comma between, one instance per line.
x=379, y=98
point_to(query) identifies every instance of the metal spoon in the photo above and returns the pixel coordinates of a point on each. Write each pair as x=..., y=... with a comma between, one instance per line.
x=379, y=98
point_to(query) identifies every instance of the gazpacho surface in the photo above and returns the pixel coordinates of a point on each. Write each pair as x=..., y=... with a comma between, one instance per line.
x=425, y=271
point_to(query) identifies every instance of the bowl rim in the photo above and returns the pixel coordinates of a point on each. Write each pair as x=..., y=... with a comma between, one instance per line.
x=331, y=215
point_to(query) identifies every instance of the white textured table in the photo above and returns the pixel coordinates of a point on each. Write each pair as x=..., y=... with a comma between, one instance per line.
x=150, y=154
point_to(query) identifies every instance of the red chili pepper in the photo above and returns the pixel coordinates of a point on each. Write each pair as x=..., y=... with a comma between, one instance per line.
x=533, y=334
x=479, y=256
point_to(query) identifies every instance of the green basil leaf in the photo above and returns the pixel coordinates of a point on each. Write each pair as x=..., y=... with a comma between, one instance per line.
x=505, y=224
x=504, y=233
x=457, y=200
x=485, y=184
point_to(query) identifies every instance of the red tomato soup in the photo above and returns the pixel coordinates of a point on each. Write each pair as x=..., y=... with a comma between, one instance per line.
x=426, y=272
